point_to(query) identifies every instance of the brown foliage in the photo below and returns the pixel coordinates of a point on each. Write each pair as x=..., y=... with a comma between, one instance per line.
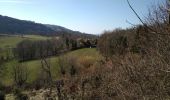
x=137, y=67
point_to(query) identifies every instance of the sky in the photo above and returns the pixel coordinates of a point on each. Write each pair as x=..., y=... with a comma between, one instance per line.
x=89, y=16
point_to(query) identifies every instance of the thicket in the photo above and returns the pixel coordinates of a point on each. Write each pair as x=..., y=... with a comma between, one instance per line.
x=136, y=64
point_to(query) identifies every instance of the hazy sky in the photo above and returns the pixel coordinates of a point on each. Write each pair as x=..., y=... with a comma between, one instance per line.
x=90, y=16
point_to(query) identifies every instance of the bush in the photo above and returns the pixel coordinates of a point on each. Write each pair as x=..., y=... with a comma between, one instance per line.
x=115, y=42
x=136, y=68
x=86, y=61
x=68, y=65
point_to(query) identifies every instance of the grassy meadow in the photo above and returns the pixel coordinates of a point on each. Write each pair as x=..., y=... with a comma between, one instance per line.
x=34, y=66
x=12, y=41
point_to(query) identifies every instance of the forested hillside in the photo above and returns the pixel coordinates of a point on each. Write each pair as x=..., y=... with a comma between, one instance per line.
x=13, y=26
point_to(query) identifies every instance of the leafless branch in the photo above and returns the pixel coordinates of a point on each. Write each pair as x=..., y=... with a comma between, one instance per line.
x=135, y=12
x=145, y=25
x=130, y=23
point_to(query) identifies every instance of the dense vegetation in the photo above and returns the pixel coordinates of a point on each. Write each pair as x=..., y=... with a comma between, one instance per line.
x=133, y=64
x=28, y=73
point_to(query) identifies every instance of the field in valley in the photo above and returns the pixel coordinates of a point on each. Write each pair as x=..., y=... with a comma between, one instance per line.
x=10, y=41
x=34, y=66
x=13, y=40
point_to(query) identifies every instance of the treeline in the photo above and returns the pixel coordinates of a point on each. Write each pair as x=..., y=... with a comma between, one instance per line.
x=121, y=41
x=29, y=50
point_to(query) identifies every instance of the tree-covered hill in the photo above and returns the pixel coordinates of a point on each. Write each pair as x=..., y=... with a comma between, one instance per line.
x=13, y=26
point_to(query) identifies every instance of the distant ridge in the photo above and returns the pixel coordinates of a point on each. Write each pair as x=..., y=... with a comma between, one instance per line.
x=14, y=26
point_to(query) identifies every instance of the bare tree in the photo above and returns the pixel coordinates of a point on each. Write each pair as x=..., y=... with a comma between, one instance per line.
x=20, y=74
x=46, y=67
x=156, y=17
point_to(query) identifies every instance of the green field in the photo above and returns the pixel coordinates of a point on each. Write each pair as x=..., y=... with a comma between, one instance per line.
x=12, y=41
x=35, y=66
x=36, y=37
x=6, y=42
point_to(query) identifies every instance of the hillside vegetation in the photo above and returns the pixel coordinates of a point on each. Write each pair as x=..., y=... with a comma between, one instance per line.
x=122, y=64
x=34, y=67
x=14, y=26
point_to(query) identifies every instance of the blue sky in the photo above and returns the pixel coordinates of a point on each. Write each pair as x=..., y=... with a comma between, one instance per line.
x=90, y=16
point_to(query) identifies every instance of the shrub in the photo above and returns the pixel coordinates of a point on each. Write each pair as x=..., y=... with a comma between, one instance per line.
x=86, y=61
x=68, y=65
x=115, y=42
x=20, y=74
